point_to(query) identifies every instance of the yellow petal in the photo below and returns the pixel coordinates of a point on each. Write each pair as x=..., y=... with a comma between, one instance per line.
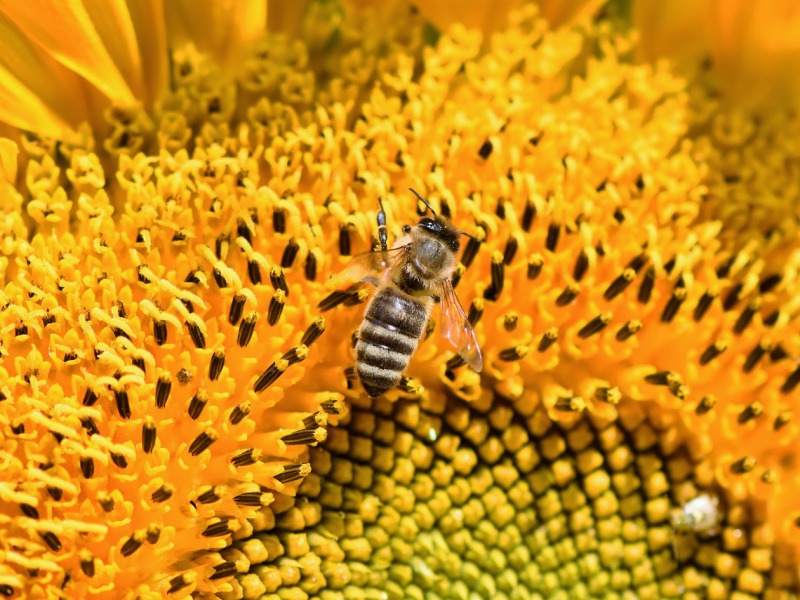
x=36, y=92
x=562, y=12
x=285, y=16
x=222, y=29
x=485, y=15
x=149, y=23
x=67, y=31
x=754, y=46
x=8, y=160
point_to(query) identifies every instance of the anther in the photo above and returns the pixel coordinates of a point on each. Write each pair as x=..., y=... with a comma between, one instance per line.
x=119, y=460
x=243, y=231
x=138, y=362
x=197, y=404
x=278, y=279
x=106, y=502
x=89, y=397
x=276, y=305
x=334, y=406
x=747, y=316
x=196, y=334
x=609, y=395
x=223, y=570
x=289, y=254
x=706, y=404
x=255, y=499
x=510, y=321
x=572, y=404
x=237, y=307
x=567, y=295
x=581, y=265
x=152, y=534
x=620, y=284
x=498, y=278
x=219, y=278
x=703, y=304
x=673, y=304
x=596, y=325
x=782, y=420
x=637, y=262
x=293, y=472
x=123, y=403
x=455, y=362
x=246, y=328
x=160, y=331
x=216, y=363
x=305, y=436
x=744, y=465
x=247, y=457
x=310, y=268
x=177, y=583
x=148, y=434
x=219, y=529
x=51, y=539
x=548, y=339
x=512, y=245
x=528, y=215
x=553, y=233
x=755, y=355
x=646, y=287
x=270, y=376
x=778, y=353
x=733, y=297
x=163, y=387
x=713, y=351
x=254, y=271
x=667, y=378
x=458, y=273
x=515, y=353
x=29, y=511
x=344, y=240
x=87, y=563
x=470, y=251
x=791, y=381
x=753, y=411
x=279, y=220
x=87, y=467
x=769, y=283
x=203, y=441
x=132, y=544
x=314, y=330
x=535, y=263
x=724, y=269
x=239, y=412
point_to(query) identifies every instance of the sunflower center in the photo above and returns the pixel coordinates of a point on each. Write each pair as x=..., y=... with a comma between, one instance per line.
x=462, y=500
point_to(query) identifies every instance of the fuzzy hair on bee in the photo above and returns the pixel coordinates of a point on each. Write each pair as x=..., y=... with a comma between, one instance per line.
x=410, y=278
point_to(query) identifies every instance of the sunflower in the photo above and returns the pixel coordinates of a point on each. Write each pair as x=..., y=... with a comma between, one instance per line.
x=178, y=415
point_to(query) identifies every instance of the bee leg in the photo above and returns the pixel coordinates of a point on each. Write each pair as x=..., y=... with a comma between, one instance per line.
x=383, y=236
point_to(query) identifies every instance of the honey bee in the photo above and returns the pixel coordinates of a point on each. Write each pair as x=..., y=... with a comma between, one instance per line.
x=410, y=277
x=698, y=515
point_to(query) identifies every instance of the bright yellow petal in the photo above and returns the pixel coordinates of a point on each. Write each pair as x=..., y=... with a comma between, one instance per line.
x=222, y=29
x=485, y=15
x=754, y=47
x=285, y=16
x=561, y=12
x=67, y=31
x=37, y=93
x=149, y=23
x=9, y=152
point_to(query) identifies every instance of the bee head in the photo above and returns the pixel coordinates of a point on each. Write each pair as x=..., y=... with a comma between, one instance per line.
x=442, y=230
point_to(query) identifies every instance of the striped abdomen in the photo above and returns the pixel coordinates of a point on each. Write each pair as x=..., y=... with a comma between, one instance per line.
x=388, y=337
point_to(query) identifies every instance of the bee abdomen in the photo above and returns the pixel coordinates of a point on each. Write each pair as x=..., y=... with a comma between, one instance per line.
x=388, y=338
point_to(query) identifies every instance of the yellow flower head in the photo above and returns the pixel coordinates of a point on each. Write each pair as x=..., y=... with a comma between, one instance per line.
x=178, y=415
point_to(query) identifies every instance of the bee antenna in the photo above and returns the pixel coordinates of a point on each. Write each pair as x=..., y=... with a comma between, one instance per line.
x=470, y=236
x=425, y=202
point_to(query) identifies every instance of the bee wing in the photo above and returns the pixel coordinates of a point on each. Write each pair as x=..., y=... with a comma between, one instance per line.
x=370, y=267
x=457, y=329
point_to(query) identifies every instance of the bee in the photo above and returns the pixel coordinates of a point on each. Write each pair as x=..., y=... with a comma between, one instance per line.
x=698, y=515
x=410, y=278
